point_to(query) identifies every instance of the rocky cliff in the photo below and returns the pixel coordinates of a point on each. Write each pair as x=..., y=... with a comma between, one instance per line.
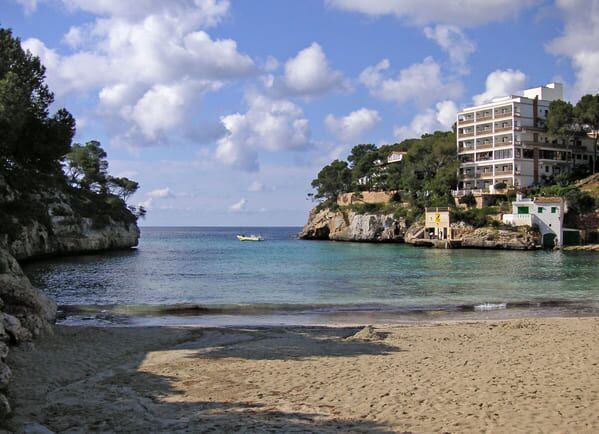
x=345, y=225
x=47, y=222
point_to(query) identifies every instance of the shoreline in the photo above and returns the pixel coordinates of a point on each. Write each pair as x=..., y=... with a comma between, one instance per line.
x=528, y=374
x=205, y=316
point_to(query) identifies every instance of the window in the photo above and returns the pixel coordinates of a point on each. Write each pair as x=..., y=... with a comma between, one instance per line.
x=504, y=153
x=522, y=210
x=540, y=210
x=553, y=210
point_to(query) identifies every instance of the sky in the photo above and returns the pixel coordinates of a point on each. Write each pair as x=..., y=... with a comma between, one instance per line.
x=225, y=110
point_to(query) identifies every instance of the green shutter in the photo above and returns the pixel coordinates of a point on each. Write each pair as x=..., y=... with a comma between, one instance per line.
x=540, y=210
x=522, y=210
x=553, y=210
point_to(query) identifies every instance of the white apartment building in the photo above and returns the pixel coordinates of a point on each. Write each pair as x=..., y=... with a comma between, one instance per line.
x=505, y=141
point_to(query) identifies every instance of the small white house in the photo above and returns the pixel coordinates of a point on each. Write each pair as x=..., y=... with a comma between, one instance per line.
x=395, y=157
x=545, y=212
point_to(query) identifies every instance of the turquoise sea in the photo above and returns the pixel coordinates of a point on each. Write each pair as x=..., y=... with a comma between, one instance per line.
x=205, y=276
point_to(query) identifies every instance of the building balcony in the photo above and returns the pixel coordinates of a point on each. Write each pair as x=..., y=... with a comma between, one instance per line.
x=503, y=115
x=465, y=121
x=484, y=145
x=486, y=175
x=504, y=173
x=506, y=143
x=500, y=129
x=464, y=135
x=484, y=118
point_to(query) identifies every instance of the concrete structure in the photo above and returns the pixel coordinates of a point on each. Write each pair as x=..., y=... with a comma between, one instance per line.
x=505, y=142
x=438, y=224
x=545, y=212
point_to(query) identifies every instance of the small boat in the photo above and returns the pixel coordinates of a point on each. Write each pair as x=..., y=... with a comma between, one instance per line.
x=250, y=238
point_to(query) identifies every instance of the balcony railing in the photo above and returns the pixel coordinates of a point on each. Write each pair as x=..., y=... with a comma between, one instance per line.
x=483, y=118
x=503, y=115
x=508, y=143
x=503, y=172
x=497, y=130
x=470, y=134
x=484, y=145
x=466, y=121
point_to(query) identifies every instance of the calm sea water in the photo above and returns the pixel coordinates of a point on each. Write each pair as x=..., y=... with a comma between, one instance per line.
x=206, y=276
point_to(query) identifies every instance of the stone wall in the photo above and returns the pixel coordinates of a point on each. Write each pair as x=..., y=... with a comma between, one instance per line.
x=369, y=197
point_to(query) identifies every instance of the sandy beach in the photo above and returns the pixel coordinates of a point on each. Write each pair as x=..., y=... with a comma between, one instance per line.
x=537, y=375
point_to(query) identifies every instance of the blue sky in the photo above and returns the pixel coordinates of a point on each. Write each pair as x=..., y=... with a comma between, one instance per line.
x=225, y=110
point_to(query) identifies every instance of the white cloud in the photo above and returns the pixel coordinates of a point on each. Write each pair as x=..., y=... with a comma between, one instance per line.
x=29, y=6
x=462, y=13
x=420, y=82
x=453, y=41
x=149, y=61
x=256, y=187
x=202, y=12
x=269, y=124
x=429, y=121
x=501, y=83
x=238, y=206
x=354, y=124
x=579, y=42
x=160, y=193
x=307, y=74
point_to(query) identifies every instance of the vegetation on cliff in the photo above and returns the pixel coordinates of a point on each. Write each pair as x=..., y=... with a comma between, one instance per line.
x=38, y=162
x=425, y=177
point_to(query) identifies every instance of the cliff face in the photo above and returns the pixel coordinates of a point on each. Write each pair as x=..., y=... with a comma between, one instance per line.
x=45, y=223
x=350, y=226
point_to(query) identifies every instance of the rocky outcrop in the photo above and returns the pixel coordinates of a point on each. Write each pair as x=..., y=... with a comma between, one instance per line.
x=346, y=225
x=25, y=313
x=521, y=238
x=48, y=222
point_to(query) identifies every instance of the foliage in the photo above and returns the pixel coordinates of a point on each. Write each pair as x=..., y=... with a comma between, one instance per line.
x=427, y=173
x=122, y=187
x=468, y=199
x=477, y=217
x=30, y=139
x=87, y=166
x=332, y=180
x=587, y=113
x=500, y=185
x=33, y=149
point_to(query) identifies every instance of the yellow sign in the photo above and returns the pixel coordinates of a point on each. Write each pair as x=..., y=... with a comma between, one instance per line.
x=438, y=218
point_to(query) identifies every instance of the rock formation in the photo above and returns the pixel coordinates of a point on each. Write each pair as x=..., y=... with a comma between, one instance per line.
x=56, y=227
x=345, y=225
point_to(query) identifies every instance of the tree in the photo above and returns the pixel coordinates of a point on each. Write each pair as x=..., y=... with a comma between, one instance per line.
x=332, y=180
x=30, y=140
x=362, y=163
x=561, y=122
x=87, y=166
x=587, y=111
x=122, y=187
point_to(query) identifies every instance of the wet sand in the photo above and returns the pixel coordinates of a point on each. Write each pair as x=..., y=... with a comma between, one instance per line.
x=526, y=375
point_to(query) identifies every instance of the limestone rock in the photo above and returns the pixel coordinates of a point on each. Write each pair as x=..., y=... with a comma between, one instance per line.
x=3, y=351
x=5, y=409
x=5, y=375
x=493, y=238
x=350, y=226
x=368, y=334
x=14, y=329
x=34, y=309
